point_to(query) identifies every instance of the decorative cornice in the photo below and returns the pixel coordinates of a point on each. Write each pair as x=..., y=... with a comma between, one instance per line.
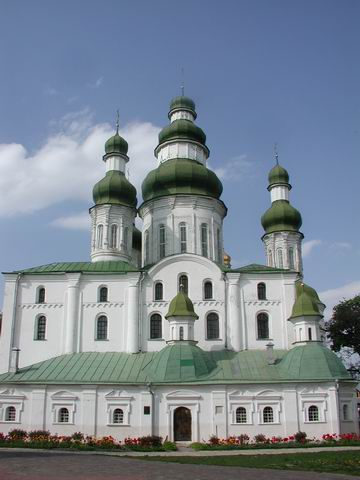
x=40, y=306
x=263, y=303
x=102, y=305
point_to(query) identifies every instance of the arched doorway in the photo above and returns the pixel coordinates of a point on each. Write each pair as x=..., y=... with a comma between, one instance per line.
x=182, y=425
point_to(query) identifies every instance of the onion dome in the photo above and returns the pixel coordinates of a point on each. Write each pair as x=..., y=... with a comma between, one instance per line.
x=182, y=362
x=182, y=103
x=116, y=144
x=136, y=240
x=227, y=260
x=280, y=217
x=312, y=362
x=116, y=189
x=184, y=130
x=181, y=306
x=181, y=176
x=305, y=306
x=278, y=174
x=303, y=287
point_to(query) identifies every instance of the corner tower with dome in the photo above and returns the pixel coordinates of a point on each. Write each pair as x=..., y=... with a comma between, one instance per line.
x=157, y=334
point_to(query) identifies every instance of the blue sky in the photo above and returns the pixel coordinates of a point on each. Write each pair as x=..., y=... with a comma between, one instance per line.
x=259, y=71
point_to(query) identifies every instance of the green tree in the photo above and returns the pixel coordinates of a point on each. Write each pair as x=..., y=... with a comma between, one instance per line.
x=344, y=327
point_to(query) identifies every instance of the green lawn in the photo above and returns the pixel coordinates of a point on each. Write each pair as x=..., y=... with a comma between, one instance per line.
x=335, y=462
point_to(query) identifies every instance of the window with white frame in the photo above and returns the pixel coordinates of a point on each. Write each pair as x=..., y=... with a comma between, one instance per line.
x=268, y=415
x=114, y=236
x=183, y=235
x=313, y=413
x=262, y=326
x=41, y=295
x=218, y=246
x=240, y=415
x=118, y=415
x=158, y=291
x=212, y=326
x=162, y=241
x=345, y=412
x=103, y=294
x=99, y=236
x=155, y=326
x=183, y=284
x=291, y=258
x=102, y=328
x=10, y=414
x=280, y=258
x=270, y=258
x=147, y=248
x=40, y=328
x=126, y=238
x=63, y=416
x=208, y=290
x=204, y=240
x=261, y=291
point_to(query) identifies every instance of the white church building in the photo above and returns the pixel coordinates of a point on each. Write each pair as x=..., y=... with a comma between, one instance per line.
x=158, y=333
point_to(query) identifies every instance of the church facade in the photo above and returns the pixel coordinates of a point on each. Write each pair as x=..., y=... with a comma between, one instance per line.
x=158, y=333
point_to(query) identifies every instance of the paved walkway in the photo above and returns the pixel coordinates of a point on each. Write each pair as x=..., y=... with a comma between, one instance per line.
x=41, y=465
x=20, y=464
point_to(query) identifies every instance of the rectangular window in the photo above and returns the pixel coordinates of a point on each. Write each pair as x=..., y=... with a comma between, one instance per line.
x=162, y=241
x=204, y=240
x=182, y=238
x=146, y=410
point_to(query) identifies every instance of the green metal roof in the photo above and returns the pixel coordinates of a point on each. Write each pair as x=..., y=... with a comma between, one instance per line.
x=181, y=306
x=182, y=129
x=278, y=174
x=255, y=268
x=116, y=144
x=301, y=286
x=281, y=216
x=305, y=306
x=182, y=103
x=184, y=363
x=114, y=189
x=81, y=267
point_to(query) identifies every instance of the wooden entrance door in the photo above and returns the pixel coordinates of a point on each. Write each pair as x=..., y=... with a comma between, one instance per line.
x=182, y=425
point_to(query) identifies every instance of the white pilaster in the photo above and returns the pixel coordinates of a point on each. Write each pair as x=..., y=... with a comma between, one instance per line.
x=233, y=309
x=132, y=343
x=72, y=312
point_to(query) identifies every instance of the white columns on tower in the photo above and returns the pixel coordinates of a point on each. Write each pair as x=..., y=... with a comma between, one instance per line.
x=233, y=308
x=132, y=330
x=72, y=313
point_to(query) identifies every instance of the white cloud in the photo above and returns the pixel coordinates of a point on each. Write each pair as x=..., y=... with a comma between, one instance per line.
x=308, y=246
x=51, y=92
x=68, y=164
x=98, y=82
x=235, y=169
x=333, y=296
x=80, y=221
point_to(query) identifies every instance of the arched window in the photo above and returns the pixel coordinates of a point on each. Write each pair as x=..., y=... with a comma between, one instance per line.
x=40, y=328
x=218, y=246
x=103, y=294
x=268, y=415
x=263, y=326
x=113, y=236
x=159, y=291
x=291, y=259
x=147, y=248
x=10, y=414
x=261, y=291
x=208, y=290
x=41, y=295
x=345, y=410
x=99, y=237
x=118, y=416
x=63, y=415
x=280, y=258
x=204, y=240
x=162, y=241
x=241, y=415
x=310, y=333
x=101, y=328
x=182, y=234
x=126, y=238
x=183, y=280
x=155, y=326
x=313, y=413
x=181, y=333
x=270, y=259
x=212, y=326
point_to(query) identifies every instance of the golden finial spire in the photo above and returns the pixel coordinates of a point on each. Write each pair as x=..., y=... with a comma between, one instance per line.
x=182, y=86
x=117, y=121
x=276, y=153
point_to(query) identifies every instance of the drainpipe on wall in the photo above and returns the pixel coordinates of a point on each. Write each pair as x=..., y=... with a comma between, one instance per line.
x=226, y=310
x=13, y=319
x=140, y=310
x=337, y=387
x=14, y=360
x=149, y=385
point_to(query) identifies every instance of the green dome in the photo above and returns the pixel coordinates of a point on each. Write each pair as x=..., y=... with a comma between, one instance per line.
x=278, y=174
x=301, y=286
x=136, y=242
x=182, y=103
x=312, y=362
x=181, y=176
x=116, y=189
x=181, y=306
x=182, y=129
x=181, y=362
x=281, y=216
x=305, y=306
x=116, y=144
